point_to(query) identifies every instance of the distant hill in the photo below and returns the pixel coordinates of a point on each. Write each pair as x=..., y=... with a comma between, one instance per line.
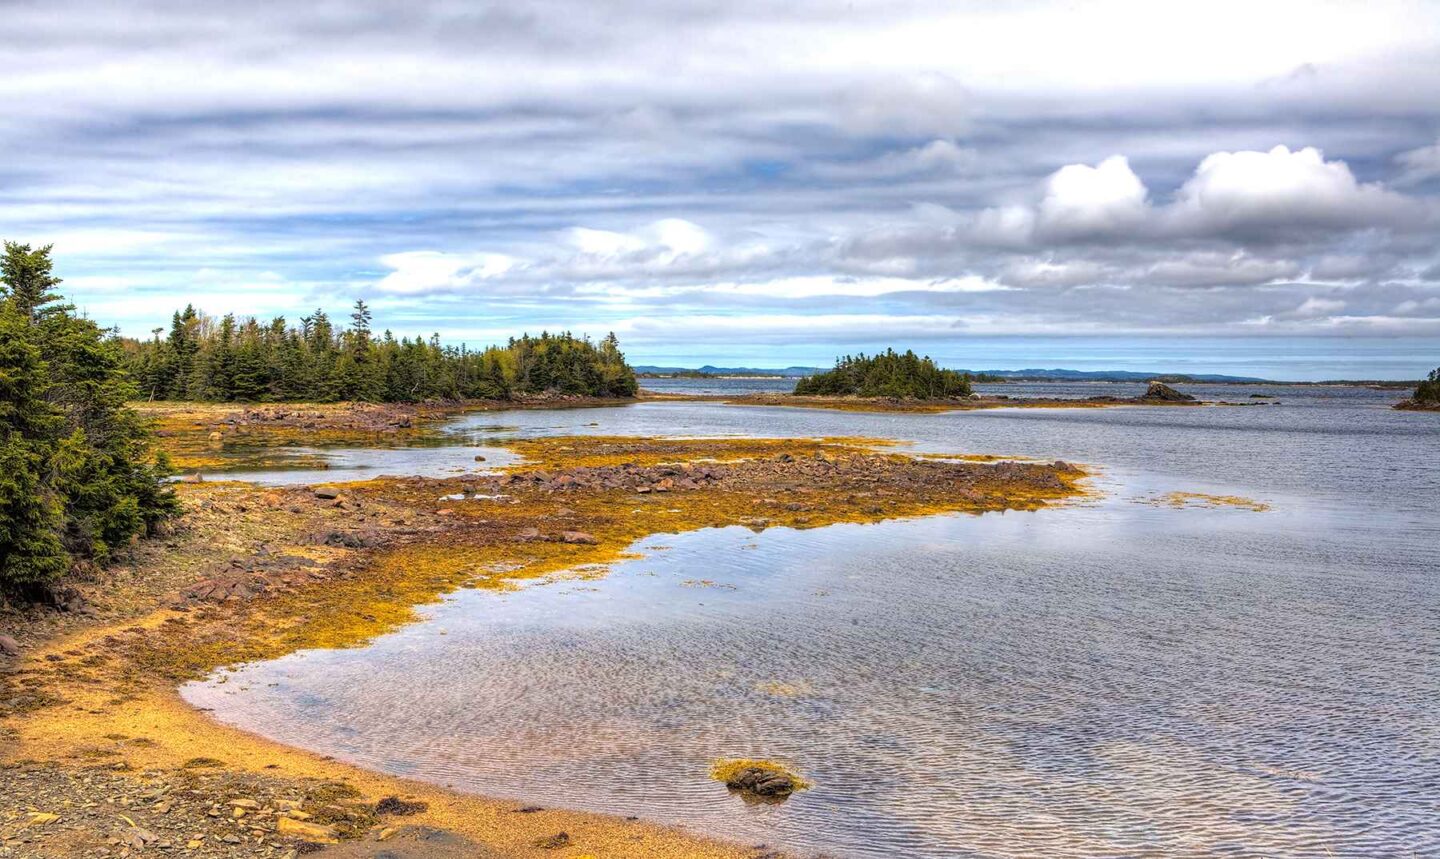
x=708, y=370
x=1057, y=375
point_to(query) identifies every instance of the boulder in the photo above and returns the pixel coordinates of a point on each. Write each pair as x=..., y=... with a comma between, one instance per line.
x=327, y=493
x=313, y=832
x=762, y=781
x=1161, y=392
x=578, y=537
x=9, y=646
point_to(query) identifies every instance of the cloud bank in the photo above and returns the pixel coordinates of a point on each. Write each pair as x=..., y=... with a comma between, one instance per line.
x=729, y=180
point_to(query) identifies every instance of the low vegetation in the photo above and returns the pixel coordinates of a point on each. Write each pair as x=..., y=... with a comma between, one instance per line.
x=891, y=374
x=246, y=360
x=78, y=480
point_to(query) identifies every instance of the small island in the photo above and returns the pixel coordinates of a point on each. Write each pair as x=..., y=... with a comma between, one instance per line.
x=1426, y=397
x=889, y=375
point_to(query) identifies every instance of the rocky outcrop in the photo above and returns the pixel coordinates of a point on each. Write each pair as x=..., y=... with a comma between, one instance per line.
x=1413, y=405
x=1159, y=392
x=763, y=781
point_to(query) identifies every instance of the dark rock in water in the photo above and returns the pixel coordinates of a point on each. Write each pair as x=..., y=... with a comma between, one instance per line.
x=762, y=782
x=1161, y=392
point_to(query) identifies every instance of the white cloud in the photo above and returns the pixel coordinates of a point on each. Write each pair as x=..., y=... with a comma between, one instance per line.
x=1084, y=201
x=421, y=272
x=1280, y=190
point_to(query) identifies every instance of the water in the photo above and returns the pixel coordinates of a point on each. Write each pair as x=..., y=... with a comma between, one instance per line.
x=1112, y=678
x=727, y=386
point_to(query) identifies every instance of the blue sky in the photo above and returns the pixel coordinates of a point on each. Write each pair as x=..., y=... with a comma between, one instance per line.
x=1229, y=186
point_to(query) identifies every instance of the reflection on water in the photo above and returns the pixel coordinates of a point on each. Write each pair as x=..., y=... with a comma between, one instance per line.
x=1113, y=679
x=1110, y=679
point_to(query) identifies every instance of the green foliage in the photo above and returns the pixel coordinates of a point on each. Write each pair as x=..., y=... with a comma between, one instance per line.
x=224, y=360
x=890, y=374
x=77, y=477
x=1428, y=392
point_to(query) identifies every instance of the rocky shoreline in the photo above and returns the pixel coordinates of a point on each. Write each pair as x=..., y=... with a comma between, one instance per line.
x=99, y=757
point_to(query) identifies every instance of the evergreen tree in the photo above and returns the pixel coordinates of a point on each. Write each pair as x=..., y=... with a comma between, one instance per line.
x=1428, y=391
x=78, y=478
x=244, y=360
x=28, y=281
x=890, y=374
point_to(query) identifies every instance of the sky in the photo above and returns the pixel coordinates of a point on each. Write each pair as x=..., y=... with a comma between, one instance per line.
x=1238, y=187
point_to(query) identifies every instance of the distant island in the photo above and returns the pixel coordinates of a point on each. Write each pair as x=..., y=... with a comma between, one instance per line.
x=650, y=371
x=891, y=374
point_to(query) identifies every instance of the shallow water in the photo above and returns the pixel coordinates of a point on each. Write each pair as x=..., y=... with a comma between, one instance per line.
x=1110, y=678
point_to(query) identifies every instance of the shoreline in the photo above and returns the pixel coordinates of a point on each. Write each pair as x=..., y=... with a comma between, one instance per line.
x=335, y=566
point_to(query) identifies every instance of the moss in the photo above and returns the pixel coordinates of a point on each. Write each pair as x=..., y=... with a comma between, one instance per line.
x=726, y=769
x=1201, y=499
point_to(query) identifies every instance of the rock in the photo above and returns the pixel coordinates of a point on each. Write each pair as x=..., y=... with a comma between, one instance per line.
x=578, y=537
x=1161, y=392
x=9, y=646
x=399, y=807
x=287, y=826
x=762, y=782
x=528, y=535
x=553, y=842
x=327, y=493
x=479, y=458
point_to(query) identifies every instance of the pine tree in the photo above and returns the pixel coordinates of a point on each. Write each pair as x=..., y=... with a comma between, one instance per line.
x=77, y=476
x=28, y=281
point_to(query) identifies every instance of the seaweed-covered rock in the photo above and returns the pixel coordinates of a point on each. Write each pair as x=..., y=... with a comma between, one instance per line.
x=762, y=782
x=760, y=779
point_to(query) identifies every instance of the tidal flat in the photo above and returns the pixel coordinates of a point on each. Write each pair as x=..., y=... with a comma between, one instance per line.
x=1088, y=667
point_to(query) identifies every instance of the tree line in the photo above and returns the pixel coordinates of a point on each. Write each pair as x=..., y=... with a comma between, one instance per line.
x=230, y=359
x=78, y=477
x=1427, y=393
x=892, y=374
